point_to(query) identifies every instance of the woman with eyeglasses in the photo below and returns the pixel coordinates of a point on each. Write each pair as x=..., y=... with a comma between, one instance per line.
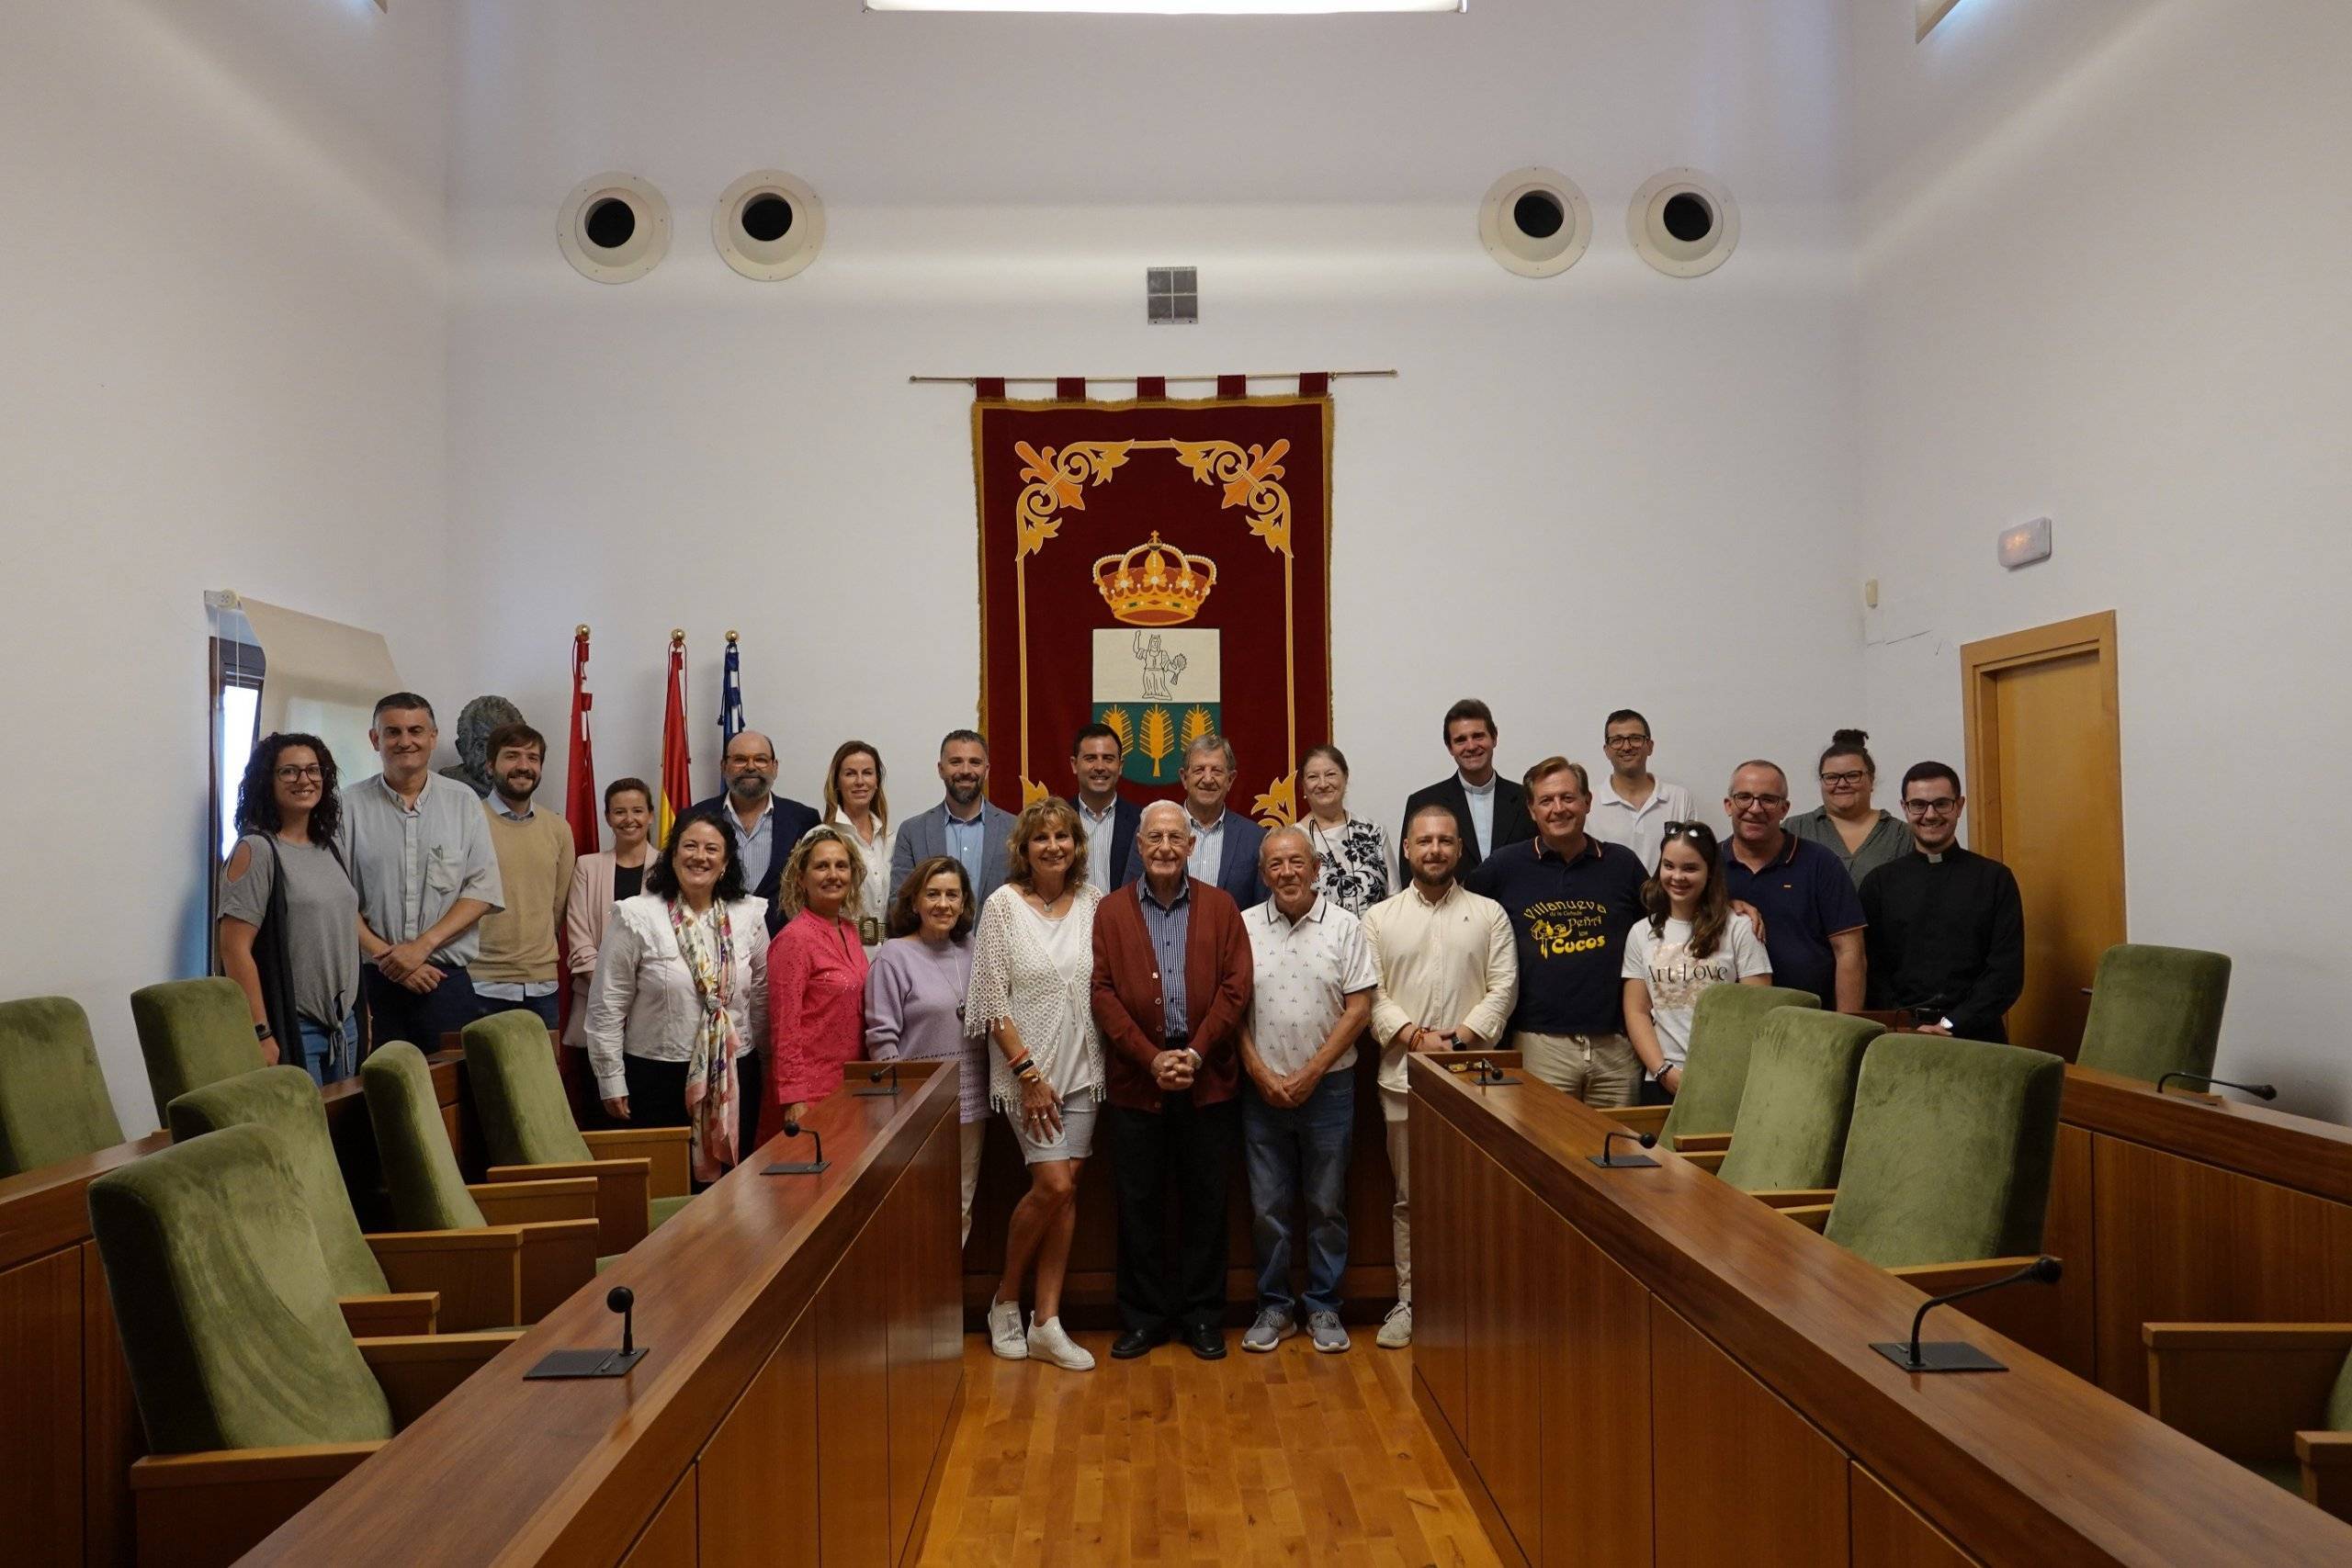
x=290, y=915
x=1691, y=940
x=1846, y=823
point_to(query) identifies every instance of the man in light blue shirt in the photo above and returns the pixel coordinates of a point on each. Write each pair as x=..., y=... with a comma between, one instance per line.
x=1225, y=843
x=965, y=823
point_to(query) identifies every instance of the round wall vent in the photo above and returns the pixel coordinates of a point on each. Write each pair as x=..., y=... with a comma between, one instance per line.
x=1535, y=222
x=768, y=225
x=1683, y=222
x=615, y=228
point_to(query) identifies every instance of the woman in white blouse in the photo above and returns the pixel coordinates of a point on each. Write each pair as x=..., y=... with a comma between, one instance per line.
x=1032, y=983
x=855, y=804
x=680, y=998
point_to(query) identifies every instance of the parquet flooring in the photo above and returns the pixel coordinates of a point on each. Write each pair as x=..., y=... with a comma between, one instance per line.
x=1291, y=1457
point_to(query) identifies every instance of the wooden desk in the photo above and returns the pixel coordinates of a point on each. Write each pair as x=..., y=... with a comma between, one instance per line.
x=68, y=1428
x=803, y=1372
x=2177, y=1208
x=1647, y=1365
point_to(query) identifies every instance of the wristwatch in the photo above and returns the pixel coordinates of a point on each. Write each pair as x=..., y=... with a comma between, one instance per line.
x=262, y=1032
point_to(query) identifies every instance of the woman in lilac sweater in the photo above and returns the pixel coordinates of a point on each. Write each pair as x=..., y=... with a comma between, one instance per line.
x=914, y=995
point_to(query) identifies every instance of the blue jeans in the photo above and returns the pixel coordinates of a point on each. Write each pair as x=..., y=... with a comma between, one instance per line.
x=1298, y=1159
x=543, y=1005
x=329, y=1056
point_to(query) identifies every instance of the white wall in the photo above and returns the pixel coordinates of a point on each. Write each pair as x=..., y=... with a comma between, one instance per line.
x=1609, y=488
x=225, y=316
x=2102, y=280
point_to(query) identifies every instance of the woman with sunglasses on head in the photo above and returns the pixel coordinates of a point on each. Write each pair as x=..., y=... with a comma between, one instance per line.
x=1847, y=823
x=1693, y=939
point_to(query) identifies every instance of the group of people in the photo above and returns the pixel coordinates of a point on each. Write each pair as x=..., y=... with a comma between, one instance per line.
x=1175, y=975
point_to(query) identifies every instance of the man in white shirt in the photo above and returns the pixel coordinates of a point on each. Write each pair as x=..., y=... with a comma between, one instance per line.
x=1311, y=996
x=1107, y=817
x=1449, y=973
x=1634, y=805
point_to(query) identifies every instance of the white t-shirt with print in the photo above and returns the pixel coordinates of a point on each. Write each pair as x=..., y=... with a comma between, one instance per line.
x=1663, y=961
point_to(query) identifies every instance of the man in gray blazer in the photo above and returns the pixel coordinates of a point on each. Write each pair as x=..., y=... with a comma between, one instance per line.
x=965, y=825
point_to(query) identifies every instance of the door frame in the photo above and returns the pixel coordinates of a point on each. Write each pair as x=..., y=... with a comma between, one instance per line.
x=1980, y=663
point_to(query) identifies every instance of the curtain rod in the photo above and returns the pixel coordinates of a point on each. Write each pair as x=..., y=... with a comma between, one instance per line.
x=1171, y=380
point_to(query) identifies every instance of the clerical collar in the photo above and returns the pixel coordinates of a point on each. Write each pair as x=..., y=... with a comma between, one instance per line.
x=1935, y=857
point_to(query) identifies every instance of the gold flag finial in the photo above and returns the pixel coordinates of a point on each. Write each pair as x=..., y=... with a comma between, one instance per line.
x=677, y=634
x=730, y=634
x=580, y=630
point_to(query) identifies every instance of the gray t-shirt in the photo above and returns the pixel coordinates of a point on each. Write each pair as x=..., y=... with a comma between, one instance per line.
x=322, y=922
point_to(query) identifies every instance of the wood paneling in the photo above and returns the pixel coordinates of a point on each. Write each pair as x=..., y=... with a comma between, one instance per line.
x=2029, y=1466
x=758, y=1472
x=40, y=1405
x=1593, y=1361
x=1715, y=1423
x=111, y=1437
x=1442, y=1162
x=2067, y=1234
x=2182, y=1241
x=562, y=1472
x=2292, y=1151
x=1504, y=1415
x=1887, y=1532
x=669, y=1540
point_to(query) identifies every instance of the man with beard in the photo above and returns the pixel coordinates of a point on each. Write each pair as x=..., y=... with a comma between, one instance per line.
x=765, y=824
x=966, y=825
x=419, y=853
x=517, y=964
x=1449, y=973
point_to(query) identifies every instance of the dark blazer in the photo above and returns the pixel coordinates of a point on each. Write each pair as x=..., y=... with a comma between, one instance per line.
x=1127, y=1001
x=1513, y=824
x=1237, y=870
x=925, y=835
x=1125, y=814
x=790, y=820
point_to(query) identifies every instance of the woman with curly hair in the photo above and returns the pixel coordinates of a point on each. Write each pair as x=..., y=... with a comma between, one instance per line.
x=289, y=915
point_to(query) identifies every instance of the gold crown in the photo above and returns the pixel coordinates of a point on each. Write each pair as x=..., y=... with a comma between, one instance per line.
x=1155, y=584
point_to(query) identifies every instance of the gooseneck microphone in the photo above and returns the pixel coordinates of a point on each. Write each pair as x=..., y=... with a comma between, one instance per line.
x=1631, y=1162
x=565, y=1366
x=792, y=1129
x=2259, y=1091
x=1952, y=1355
x=1486, y=1074
x=889, y=1069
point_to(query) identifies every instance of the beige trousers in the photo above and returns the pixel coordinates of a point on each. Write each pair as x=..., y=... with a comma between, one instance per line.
x=1599, y=1069
x=1394, y=1103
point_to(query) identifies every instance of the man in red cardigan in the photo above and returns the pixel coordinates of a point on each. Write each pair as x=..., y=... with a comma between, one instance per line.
x=1171, y=983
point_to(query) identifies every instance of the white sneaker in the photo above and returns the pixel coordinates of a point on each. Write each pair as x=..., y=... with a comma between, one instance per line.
x=1004, y=1331
x=1397, y=1328
x=1049, y=1343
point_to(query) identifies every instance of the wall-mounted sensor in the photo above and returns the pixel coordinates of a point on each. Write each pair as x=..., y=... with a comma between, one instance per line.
x=2025, y=544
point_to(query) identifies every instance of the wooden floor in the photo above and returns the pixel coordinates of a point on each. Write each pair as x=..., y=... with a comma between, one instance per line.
x=1291, y=1457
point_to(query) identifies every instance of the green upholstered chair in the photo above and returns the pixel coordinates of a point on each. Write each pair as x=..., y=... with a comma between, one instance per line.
x=1723, y=1029
x=1790, y=1139
x=640, y=1172
x=1949, y=1154
x=2155, y=1011
x=406, y=1281
x=556, y=1220
x=193, y=1033
x=2277, y=1397
x=54, y=1101
x=253, y=1393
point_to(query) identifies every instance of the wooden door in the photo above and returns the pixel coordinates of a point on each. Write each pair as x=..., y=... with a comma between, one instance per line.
x=2045, y=796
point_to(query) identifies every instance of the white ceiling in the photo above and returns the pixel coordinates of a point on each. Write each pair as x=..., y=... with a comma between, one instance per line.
x=1036, y=112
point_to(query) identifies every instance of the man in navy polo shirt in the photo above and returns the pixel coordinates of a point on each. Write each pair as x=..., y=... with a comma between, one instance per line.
x=1811, y=917
x=1571, y=898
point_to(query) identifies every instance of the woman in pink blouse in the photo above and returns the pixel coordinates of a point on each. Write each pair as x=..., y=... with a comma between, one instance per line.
x=815, y=974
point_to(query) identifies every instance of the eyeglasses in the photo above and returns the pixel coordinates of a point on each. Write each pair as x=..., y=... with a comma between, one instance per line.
x=1844, y=779
x=1944, y=807
x=306, y=770
x=1743, y=800
x=762, y=760
x=1627, y=740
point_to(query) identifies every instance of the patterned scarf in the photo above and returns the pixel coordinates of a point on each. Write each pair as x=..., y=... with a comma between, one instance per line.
x=710, y=1067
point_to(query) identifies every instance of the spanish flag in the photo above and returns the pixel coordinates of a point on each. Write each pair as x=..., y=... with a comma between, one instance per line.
x=677, y=766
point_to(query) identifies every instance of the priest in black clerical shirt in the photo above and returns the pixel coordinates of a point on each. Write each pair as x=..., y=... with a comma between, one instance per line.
x=1947, y=929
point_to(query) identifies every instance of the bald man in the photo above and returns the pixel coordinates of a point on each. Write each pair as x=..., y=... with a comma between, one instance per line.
x=764, y=823
x=1312, y=978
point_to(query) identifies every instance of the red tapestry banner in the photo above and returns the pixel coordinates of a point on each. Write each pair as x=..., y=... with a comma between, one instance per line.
x=1161, y=566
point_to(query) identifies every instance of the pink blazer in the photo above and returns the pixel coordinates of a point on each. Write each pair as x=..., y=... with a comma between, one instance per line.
x=585, y=909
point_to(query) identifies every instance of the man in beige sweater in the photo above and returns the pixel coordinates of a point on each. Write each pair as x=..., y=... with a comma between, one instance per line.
x=518, y=965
